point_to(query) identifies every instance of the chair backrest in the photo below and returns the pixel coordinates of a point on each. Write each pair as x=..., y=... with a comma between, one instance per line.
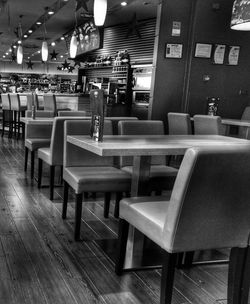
x=5, y=101
x=28, y=113
x=243, y=130
x=209, y=206
x=72, y=113
x=39, y=102
x=115, y=120
x=141, y=127
x=179, y=124
x=30, y=101
x=75, y=156
x=50, y=102
x=15, y=102
x=207, y=125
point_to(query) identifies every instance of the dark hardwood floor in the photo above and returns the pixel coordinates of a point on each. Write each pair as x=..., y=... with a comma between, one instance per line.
x=41, y=263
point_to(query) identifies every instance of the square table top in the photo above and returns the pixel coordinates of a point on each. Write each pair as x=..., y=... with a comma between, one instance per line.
x=235, y=122
x=132, y=145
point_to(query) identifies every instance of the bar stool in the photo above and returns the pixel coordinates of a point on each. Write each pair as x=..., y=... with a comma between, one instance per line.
x=19, y=111
x=7, y=114
x=50, y=104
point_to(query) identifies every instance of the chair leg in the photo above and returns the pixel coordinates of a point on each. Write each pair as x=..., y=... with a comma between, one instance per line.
x=26, y=158
x=122, y=244
x=40, y=171
x=188, y=259
x=51, y=182
x=65, y=199
x=18, y=124
x=32, y=166
x=107, y=198
x=117, y=203
x=167, y=277
x=14, y=123
x=78, y=216
x=3, y=123
x=238, y=276
x=86, y=195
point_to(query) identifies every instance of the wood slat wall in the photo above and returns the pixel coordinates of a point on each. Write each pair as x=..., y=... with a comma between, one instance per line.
x=139, y=49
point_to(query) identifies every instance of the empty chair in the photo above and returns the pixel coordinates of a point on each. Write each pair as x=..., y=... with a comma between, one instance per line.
x=71, y=113
x=39, y=102
x=87, y=172
x=19, y=111
x=243, y=130
x=36, y=136
x=7, y=114
x=179, y=124
x=207, y=125
x=30, y=101
x=208, y=209
x=50, y=103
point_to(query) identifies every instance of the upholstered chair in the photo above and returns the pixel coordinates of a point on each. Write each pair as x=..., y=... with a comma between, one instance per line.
x=50, y=104
x=208, y=125
x=53, y=155
x=86, y=172
x=243, y=130
x=179, y=124
x=30, y=101
x=7, y=114
x=36, y=136
x=18, y=111
x=208, y=209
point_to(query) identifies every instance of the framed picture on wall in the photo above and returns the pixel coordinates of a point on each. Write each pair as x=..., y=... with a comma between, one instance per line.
x=219, y=53
x=203, y=50
x=173, y=50
x=233, y=55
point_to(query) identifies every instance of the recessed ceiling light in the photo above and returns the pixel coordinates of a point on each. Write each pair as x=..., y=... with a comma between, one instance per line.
x=61, y=56
x=19, y=41
x=51, y=12
x=25, y=36
x=39, y=23
x=62, y=38
x=38, y=52
x=10, y=50
x=7, y=53
x=14, y=46
x=53, y=43
x=124, y=3
x=30, y=31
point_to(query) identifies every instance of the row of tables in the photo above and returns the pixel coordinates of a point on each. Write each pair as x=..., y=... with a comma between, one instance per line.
x=141, y=148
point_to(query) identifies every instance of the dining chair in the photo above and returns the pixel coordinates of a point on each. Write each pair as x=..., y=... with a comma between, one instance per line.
x=53, y=155
x=30, y=101
x=87, y=172
x=179, y=124
x=162, y=177
x=18, y=111
x=39, y=102
x=208, y=125
x=50, y=104
x=208, y=209
x=36, y=136
x=7, y=114
x=243, y=130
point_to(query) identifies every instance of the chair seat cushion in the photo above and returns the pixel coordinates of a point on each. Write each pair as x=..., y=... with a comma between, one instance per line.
x=45, y=155
x=161, y=177
x=101, y=179
x=35, y=143
x=147, y=214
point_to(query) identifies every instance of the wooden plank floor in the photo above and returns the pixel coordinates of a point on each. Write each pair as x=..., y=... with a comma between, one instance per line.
x=40, y=262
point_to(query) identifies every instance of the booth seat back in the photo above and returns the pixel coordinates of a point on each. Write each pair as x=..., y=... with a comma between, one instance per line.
x=5, y=101
x=179, y=124
x=141, y=127
x=75, y=156
x=207, y=125
x=72, y=113
x=49, y=101
x=44, y=114
x=209, y=206
x=15, y=101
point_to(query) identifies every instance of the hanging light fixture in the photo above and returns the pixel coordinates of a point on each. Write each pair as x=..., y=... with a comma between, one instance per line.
x=241, y=15
x=19, y=54
x=100, y=11
x=44, y=50
x=73, y=45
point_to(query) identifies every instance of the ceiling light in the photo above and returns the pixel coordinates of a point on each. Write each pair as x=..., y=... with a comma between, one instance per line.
x=25, y=36
x=51, y=12
x=53, y=43
x=124, y=3
x=61, y=56
x=19, y=54
x=45, y=51
x=30, y=31
x=62, y=38
x=7, y=53
x=29, y=57
x=19, y=41
x=10, y=50
x=38, y=52
x=38, y=23
x=73, y=46
x=240, y=16
x=4, y=56
x=100, y=10
x=14, y=46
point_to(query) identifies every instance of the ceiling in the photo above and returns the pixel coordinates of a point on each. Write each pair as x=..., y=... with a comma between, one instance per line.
x=60, y=23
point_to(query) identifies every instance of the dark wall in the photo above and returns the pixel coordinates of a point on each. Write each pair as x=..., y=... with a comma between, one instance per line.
x=227, y=82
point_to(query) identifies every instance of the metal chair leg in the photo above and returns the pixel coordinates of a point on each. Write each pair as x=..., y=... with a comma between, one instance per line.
x=78, y=216
x=65, y=199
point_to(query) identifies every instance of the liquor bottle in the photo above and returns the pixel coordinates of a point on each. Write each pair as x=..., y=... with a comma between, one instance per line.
x=96, y=132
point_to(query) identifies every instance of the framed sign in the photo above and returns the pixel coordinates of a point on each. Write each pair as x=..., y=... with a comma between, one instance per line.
x=233, y=55
x=219, y=53
x=174, y=50
x=203, y=50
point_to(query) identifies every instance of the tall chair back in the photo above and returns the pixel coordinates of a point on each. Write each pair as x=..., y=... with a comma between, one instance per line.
x=141, y=127
x=243, y=130
x=47, y=114
x=15, y=101
x=72, y=113
x=207, y=125
x=50, y=103
x=179, y=124
x=75, y=156
x=5, y=101
x=30, y=101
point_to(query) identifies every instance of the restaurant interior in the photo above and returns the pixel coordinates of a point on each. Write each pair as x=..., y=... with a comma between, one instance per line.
x=124, y=151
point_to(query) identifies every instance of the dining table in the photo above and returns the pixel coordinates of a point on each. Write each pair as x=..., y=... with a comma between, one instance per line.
x=228, y=122
x=142, y=148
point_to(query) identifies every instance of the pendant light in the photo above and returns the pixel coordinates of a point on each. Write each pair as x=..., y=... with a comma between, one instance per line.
x=241, y=15
x=44, y=50
x=73, y=42
x=100, y=11
x=19, y=54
